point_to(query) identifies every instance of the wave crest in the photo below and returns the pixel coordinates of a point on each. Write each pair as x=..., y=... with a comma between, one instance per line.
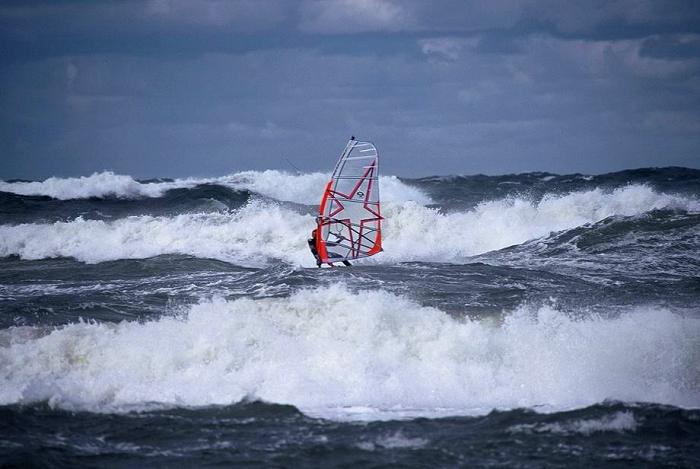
x=279, y=185
x=100, y=185
x=418, y=233
x=307, y=188
x=247, y=236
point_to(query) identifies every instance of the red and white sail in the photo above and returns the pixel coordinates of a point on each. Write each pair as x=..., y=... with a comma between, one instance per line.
x=350, y=217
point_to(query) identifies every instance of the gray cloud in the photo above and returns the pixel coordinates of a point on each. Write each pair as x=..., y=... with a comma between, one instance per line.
x=355, y=16
x=179, y=87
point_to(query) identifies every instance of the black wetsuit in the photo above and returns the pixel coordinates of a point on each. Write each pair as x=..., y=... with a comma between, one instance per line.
x=312, y=247
x=314, y=251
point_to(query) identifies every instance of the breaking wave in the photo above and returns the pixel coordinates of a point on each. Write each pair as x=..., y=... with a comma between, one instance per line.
x=301, y=188
x=329, y=351
x=265, y=230
x=419, y=233
x=247, y=236
x=100, y=185
x=307, y=188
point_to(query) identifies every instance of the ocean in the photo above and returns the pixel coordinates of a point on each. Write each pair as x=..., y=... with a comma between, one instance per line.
x=529, y=320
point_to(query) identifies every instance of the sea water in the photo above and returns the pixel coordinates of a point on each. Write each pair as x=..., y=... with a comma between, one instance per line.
x=532, y=319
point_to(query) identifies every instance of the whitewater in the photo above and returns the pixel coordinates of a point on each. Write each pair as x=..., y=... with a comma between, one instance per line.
x=558, y=311
x=329, y=351
x=280, y=185
x=263, y=230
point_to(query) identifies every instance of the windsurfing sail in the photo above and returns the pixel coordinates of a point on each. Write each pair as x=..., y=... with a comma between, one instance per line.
x=349, y=223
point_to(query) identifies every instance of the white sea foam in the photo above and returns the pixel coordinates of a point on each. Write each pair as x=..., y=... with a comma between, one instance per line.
x=246, y=237
x=105, y=184
x=301, y=188
x=392, y=441
x=307, y=188
x=419, y=233
x=617, y=422
x=260, y=231
x=327, y=349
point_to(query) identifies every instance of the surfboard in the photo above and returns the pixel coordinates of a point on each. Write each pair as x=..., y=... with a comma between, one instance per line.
x=349, y=222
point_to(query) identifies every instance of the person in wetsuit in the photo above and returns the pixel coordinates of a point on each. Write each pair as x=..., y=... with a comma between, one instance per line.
x=312, y=247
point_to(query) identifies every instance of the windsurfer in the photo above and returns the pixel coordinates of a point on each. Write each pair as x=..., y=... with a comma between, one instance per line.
x=312, y=247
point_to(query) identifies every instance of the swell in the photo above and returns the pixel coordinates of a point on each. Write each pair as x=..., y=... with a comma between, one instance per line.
x=98, y=185
x=642, y=435
x=468, y=191
x=260, y=231
x=201, y=198
x=279, y=185
x=329, y=349
x=104, y=196
x=661, y=244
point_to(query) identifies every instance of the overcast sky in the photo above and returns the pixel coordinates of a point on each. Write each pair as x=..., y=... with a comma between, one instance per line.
x=177, y=88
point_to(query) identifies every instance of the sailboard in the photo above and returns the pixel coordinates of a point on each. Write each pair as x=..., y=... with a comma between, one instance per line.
x=349, y=222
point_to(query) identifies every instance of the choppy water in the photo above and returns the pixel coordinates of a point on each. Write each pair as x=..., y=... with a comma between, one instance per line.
x=528, y=320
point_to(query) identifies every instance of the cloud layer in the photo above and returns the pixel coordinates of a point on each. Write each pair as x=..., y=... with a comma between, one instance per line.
x=176, y=87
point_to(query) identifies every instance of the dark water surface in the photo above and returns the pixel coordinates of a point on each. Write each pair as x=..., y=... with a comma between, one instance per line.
x=254, y=433
x=519, y=320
